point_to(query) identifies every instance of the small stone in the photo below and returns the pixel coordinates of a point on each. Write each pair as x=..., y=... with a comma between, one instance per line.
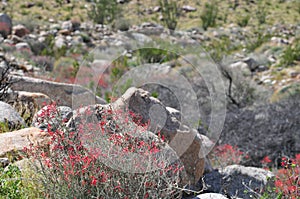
x=294, y=74
x=156, y=9
x=22, y=45
x=67, y=25
x=4, y=162
x=187, y=8
x=20, y=30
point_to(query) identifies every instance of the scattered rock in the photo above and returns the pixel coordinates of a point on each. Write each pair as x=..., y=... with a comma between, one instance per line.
x=20, y=30
x=10, y=116
x=156, y=9
x=294, y=74
x=141, y=38
x=22, y=45
x=187, y=8
x=252, y=64
x=67, y=25
x=60, y=42
x=4, y=162
x=5, y=25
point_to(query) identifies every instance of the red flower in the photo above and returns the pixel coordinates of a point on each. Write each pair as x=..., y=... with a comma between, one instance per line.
x=266, y=160
x=94, y=181
x=146, y=196
x=292, y=189
x=278, y=184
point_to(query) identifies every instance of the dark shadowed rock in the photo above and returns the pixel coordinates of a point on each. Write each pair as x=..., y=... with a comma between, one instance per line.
x=5, y=25
x=266, y=130
x=237, y=180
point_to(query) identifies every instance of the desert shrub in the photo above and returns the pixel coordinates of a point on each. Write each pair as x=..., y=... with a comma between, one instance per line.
x=170, y=13
x=29, y=22
x=219, y=48
x=154, y=55
x=122, y=24
x=74, y=165
x=104, y=11
x=291, y=54
x=261, y=13
x=43, y=62
x=19, y=184
x=256, y=40
x=224, y=155
x=10, y=182
x=50, y=49
x=209, y=15
x=286, y=92
x=65, y=69
x=297, y=6
x=7, y=47
x=243, y=20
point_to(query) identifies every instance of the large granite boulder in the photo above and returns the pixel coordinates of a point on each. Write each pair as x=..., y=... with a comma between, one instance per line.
x=13, y=142
x=185, y=141
x=64, y=94
x=9, y=117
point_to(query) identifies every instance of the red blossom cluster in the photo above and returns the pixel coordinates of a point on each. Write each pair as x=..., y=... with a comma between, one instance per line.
x=91, y=160
x=228, y=154
x=288, y=178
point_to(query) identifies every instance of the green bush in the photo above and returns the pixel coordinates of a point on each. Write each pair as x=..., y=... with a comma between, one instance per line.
x=257, y=40
x=122, y=24
x=10, y=182
x=170, y=13
x=104, y=11
x=209, y=15
x=291, y=54
x=261, y=13
x=154, y=55
x=243, y=20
